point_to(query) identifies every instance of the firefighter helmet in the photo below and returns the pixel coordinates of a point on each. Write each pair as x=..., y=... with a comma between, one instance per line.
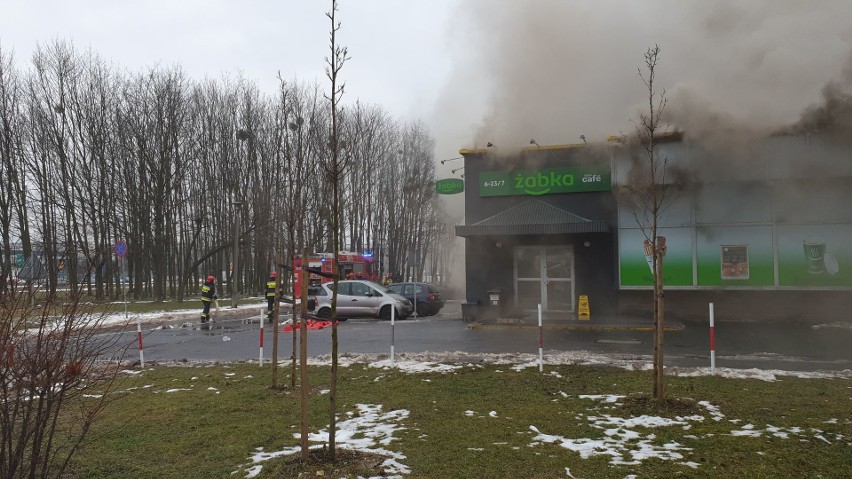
x=210, y=279
x=273, y=274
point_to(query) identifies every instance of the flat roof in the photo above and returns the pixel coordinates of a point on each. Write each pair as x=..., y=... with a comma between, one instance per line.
x=667, y=136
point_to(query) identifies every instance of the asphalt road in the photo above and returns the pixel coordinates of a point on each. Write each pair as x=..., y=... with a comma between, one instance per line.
x=791, y=347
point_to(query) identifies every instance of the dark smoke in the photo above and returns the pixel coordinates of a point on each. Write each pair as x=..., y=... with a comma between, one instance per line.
x=554, y=69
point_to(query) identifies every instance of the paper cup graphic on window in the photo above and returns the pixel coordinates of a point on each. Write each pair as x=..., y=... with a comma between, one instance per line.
x=649, y=254
x=815, y=257
x=831, y=266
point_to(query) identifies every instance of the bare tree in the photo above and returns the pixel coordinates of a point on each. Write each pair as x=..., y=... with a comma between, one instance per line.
x=649, y=190
x=90, y=155
x=13, y=199
x=335, y=166
x=52, y=383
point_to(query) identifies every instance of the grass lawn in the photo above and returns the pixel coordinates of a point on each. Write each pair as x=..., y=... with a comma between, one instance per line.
x=475, y=421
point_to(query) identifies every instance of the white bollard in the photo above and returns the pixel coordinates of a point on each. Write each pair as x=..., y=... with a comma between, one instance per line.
x=260, y=359
x=540, y=342
x=712, y=342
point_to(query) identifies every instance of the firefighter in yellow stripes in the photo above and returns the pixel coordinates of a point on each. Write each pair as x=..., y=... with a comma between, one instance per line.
x=270, y=295
x=208, y=294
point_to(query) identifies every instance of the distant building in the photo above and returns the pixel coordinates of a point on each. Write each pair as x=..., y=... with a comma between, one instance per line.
x=745, y=230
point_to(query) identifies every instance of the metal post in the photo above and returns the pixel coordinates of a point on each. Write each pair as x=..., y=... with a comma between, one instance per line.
x=540, y=342
x=712, y=342
x=260, y=318
x=393, y=325
x=139, y=337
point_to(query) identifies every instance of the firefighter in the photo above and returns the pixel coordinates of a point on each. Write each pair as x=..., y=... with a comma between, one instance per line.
x=270, y=295
x=349, y=275
x=359, y=275
x=208, y=294
x=386, y=281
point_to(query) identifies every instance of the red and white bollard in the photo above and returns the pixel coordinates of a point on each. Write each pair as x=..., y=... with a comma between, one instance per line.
x=712, y=342
x=139, y=337
x=393, y=324
x=260, y=359
x=540, y=342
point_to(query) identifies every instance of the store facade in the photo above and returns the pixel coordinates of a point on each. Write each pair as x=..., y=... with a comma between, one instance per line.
x=766, y=229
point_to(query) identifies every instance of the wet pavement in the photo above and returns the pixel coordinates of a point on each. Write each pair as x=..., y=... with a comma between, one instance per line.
x=787, y=346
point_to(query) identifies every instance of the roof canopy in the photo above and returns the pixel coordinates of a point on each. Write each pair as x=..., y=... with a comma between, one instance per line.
x=533, y=217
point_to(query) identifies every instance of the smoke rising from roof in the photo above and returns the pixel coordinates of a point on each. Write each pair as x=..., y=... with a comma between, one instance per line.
x=553, y=70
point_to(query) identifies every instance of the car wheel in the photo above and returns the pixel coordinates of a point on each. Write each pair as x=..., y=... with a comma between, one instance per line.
x=385, y=313
x=423, y=309
x=324, y=313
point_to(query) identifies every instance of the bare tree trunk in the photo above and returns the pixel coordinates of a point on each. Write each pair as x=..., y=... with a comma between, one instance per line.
x=303, y=360
x=659, y=323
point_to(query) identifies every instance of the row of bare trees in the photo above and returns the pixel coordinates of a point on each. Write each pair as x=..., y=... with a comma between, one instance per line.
x=90, y=155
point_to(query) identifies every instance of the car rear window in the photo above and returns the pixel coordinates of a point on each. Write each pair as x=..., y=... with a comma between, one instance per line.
x=317, y=291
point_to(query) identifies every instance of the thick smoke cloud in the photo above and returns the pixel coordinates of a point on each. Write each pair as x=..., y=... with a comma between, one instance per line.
x=553, y=70
x=733, y=72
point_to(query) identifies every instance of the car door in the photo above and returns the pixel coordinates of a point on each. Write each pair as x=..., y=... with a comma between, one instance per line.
x=347, y=305
x=364, y=299
x=408, y=292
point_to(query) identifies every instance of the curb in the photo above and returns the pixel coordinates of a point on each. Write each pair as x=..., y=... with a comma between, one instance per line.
x=671, y=326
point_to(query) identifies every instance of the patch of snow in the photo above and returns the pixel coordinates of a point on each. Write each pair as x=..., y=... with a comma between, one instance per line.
x=96, y=396
x=469, y=413
x=130, y=371
x=325, y=391
x=607, y=398
x=177, y=389
x=415, y=366
x=367, y=431
x=493, y=413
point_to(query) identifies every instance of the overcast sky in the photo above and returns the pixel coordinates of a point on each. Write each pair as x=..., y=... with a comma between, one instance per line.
x=485, y=70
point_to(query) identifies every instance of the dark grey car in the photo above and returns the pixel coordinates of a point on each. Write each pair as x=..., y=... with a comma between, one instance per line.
x=427, y=297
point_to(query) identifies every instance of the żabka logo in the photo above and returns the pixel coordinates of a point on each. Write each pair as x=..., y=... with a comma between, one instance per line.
x=449, y=186
x=541, y=183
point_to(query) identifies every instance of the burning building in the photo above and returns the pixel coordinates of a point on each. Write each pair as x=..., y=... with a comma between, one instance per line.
x=763, y=230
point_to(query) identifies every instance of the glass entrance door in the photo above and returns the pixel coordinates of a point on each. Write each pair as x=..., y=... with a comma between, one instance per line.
x=544, y=274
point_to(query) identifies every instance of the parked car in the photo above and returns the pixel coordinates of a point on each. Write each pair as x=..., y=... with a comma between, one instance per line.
x=359, y=299
x=426, y=296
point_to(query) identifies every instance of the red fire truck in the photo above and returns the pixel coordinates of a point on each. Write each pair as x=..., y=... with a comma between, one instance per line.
x=352, y=266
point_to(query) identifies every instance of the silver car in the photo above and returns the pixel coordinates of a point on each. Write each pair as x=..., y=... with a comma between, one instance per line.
x=360, y=299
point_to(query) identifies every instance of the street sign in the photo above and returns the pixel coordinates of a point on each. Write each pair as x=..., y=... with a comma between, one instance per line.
x=120, y=249
x=20, y=259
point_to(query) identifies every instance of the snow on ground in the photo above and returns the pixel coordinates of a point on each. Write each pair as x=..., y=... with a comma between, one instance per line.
x=625, y=440
x=431, y=362
x=368, y=430
x=118, y=318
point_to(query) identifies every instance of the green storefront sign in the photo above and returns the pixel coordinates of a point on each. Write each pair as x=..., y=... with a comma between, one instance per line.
x=449, y=186
x=547, y=181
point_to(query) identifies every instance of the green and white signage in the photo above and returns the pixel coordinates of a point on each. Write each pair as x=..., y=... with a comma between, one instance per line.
x=546, y=181
x=449, y=186
x=736, y=256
